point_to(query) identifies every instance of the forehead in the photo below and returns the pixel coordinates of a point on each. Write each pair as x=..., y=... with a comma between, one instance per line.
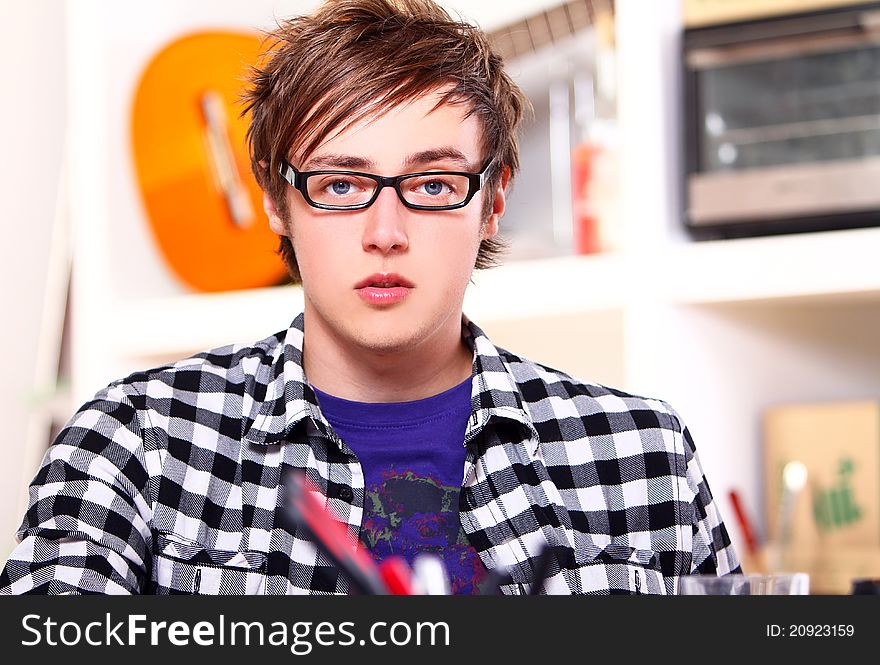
x=389, y=135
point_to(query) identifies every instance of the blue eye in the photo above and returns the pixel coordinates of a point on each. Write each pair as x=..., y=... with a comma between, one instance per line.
x=341, y=187
x=433, y=187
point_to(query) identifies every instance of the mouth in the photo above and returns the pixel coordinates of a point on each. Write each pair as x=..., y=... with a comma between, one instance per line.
x=384, y=281
x=383, y=289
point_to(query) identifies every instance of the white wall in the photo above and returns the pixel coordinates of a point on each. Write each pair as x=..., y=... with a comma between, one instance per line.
x=32, y=115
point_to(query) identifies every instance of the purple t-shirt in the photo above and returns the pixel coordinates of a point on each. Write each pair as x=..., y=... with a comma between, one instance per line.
x=412, y=455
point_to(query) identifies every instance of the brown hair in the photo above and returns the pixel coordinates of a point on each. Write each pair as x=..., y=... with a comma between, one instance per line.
x=326, y=70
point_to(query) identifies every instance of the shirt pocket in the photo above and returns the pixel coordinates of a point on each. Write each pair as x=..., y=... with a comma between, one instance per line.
x=185, y=566
x=610, y=570
x=619, y=569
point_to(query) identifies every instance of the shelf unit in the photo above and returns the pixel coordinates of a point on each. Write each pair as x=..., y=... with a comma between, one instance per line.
x=719, y=329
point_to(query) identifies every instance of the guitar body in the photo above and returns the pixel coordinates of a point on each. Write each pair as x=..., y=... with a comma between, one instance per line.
x=202, y=202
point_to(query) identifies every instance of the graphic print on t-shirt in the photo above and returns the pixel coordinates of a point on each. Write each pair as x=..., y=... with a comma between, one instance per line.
x=407, y=513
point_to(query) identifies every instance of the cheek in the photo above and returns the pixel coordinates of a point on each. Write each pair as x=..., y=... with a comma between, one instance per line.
x=317, y=241
x=461, y=235
x=313, y=256
x=454, y=254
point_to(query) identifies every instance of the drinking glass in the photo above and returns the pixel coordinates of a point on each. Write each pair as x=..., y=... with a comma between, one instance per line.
x=773, y=584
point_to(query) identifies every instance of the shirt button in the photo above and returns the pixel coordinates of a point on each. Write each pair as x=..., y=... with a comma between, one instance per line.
x=345, y=493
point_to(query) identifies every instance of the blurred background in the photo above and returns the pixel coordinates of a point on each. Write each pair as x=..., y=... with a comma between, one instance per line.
x=696, y=219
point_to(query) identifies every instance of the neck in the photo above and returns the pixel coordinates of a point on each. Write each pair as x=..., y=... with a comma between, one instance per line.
x=345, y=368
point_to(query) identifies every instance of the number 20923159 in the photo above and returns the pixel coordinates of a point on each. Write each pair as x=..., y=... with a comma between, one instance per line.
x=810, y=630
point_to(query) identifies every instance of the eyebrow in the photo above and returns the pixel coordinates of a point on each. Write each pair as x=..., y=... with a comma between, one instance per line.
x=421, y=158
x=445, y=154
x=334, y=161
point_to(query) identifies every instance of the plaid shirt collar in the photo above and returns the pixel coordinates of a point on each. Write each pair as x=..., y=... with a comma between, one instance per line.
x=290, y=401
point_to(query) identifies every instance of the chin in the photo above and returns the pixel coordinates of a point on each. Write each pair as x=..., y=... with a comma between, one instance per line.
x=383, y=346
x=390, y=334
x=381, y=340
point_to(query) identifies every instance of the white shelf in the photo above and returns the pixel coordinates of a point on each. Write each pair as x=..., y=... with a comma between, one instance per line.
x=550, y=287
x=833, y=265
x=181, y=325
x=836, y=265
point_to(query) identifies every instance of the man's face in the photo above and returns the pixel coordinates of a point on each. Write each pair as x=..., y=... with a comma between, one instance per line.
x=348, y=259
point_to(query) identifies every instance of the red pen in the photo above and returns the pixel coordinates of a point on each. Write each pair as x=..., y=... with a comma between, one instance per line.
x=397, y=576
x=331, y=536
x=744, y=524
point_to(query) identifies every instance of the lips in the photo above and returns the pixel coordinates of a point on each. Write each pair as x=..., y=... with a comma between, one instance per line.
x=384, y=281
x=383, y=289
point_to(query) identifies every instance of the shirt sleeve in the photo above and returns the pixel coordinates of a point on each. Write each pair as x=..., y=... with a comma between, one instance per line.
x=713, y=553
x=86, y=529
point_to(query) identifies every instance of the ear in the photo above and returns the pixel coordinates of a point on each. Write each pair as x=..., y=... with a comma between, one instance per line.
x=499, y=204
x=276, y=222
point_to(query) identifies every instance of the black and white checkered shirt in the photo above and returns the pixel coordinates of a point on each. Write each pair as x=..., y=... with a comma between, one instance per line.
x=169, y=481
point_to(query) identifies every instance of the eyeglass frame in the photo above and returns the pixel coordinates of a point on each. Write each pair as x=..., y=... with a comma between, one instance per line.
x=299, y=179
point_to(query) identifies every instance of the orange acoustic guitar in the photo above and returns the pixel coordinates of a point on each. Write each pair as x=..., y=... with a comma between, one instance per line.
x=203, y=204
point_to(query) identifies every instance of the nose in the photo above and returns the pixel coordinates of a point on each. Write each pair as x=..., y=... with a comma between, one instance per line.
x=385, y=224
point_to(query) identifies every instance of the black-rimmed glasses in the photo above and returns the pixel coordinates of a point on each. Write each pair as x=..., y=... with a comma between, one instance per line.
x=351, y=190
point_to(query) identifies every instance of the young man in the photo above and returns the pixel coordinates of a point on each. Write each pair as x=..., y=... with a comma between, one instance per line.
x=383, y=135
